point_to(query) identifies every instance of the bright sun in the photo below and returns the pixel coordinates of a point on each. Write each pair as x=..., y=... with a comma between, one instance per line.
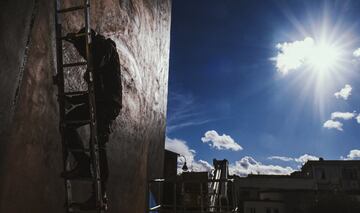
x=318, y=56
x=323, y=57
x=318, y=61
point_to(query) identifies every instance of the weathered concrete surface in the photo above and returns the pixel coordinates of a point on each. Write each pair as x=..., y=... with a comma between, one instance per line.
x=30, y=152
x=14, y=36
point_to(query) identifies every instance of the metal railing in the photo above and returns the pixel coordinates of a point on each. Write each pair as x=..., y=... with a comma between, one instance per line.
x=184, y=199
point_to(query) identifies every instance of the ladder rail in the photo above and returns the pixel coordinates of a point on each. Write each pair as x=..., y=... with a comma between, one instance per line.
x=61, y=94
x=94, y=142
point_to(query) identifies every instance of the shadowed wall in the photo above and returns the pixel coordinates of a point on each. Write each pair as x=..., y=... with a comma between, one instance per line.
x=30, y=152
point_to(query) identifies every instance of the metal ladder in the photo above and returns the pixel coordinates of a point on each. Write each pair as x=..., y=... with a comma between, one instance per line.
x=59, y=80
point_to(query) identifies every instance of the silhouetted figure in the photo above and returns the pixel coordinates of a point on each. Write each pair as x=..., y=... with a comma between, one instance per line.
x=108, y=98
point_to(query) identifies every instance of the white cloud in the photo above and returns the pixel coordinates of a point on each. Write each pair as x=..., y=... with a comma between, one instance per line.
x=282, y=158
x=201, y=166
x=220, y=141
x=248, y=165
x=344, y=92
x=353, y=155
x=304, y=158
x=181, y=147
x=358, y=118
x=330, y=124
x=343, y=115
x=292, y=55
x=356, y=53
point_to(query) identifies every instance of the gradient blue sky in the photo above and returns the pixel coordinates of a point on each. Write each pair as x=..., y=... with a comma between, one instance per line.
x=222, y=78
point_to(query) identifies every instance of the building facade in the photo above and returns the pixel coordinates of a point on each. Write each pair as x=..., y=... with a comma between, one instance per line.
x=320, y=186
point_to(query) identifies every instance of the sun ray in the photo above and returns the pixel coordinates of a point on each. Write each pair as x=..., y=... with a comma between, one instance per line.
x=322, y=58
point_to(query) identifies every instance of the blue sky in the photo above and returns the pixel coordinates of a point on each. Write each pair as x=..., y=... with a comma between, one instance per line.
x=262, y=73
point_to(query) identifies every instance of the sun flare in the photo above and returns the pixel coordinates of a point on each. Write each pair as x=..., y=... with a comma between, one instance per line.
x=317, y=56
x=317, y=62
x=324, y=57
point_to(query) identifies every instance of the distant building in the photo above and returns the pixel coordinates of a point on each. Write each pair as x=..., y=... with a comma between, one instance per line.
x=320, y=186
x=192, y=191
x=324, y=186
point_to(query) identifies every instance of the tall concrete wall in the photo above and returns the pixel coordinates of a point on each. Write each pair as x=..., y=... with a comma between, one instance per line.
x=30, y=152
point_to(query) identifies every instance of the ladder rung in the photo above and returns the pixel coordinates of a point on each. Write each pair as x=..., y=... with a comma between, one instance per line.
x=78, y=122
x=88, y=179
x=73, y=208
x=75, y=64
x=76, y=93
x=76, y=35
x=79, y=150
x=72, y=9
x=81, y=211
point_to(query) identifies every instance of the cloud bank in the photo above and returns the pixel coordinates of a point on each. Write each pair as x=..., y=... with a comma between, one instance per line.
x=248, y=165
x=243, y=167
